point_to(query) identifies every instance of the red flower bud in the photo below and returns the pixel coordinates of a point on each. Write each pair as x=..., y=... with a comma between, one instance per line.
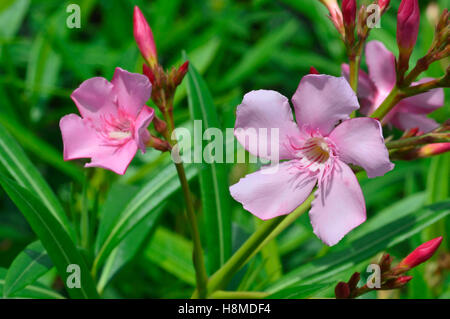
x=342, y=290
x=144, y=37
x=313, y=70
x=349, y=12
x=408, y=18
x=398, y=282
x=181, y=72
x=383, y=4
x=421, y=254
x=149, y=73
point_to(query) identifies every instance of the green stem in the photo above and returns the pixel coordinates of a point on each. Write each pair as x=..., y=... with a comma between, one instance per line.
x=197, y=255
x=354, y=63
x=266, y=232
x=220, y=294
x=391, y=100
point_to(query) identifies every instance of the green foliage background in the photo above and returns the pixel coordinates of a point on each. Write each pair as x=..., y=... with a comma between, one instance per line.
x=236, y=46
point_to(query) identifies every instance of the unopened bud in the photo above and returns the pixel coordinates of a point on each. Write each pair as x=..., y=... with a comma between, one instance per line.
x=342, y=290
x=149, y=73
x=420, y=254
x=313, y=70
x=383, y=4
x=158, y=144
x=433, y=149
x=160, y=125
x=349, y=12
x=353, y=281
x=180, y=73
x=385, y=263
x=144, y=37
x=335, y=14
x=408, y=18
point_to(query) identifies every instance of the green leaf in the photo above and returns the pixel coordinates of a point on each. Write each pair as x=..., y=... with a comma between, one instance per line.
x=172, y=253
x=118, y=197
x=388, y=228
x=259, y=54
x=12, y=14
x=298, y=292
x=17, y=164
x=212, y=175
x=36, y=291
x=26, y=268
x=54, y=238
x=143, y=203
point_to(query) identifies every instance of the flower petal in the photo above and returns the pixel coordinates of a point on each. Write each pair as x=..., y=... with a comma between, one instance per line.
x=114, y=158
x=407, y=120
x=141, y=134
x=79, y=139
x=423, y=103
x=259, y=113
x=381, y=64
x=95, y=97
x=338, y=206
x=366, y=89
x=268, y=194
x=360, y=141
x=133, y=90
x=322, y=100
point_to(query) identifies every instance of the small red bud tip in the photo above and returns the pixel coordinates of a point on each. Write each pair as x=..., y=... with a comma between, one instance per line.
x=342, y=290
x=313, y=70
x=182, y=70
x=404, y=279
x=144, y=37
x=408, y=19
x=421, y=253
x=148, y=72
x=383, y=4
x=349, y=12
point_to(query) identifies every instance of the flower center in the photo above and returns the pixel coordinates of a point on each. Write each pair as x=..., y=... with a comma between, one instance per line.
x=316, y=149
x=116, y=129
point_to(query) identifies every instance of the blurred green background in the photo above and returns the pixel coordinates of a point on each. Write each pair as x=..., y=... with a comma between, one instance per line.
x=237, y=46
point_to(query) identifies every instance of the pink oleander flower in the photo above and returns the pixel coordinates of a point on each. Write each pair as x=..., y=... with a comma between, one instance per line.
x=374, y=87
x=316, y=151
x=113, y=122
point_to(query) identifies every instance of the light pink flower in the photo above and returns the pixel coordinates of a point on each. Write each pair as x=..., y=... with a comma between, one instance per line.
x=113, y=122
x=374, y=87
x=317, y=153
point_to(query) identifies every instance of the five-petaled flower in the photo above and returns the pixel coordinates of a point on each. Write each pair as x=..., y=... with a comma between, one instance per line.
x=113, y=122
x=374, y=87
x=317, y=151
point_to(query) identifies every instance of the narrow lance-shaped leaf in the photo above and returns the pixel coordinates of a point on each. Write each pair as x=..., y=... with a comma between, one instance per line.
x=212, y=175
x=14, y=161
x=54, y=238
x=26, y=268
x=144, y=202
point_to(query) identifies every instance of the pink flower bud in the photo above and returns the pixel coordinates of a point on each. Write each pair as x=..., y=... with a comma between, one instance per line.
x=408, y=18
x=421, y=254
x=144, y=37
x=342, y=290
x=433, y=149
x=349, y=12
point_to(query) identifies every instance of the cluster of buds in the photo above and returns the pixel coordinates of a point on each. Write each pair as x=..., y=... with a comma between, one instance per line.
x=164, y=83
x=345, y=22
x=414, y=144
x=390, y=278
x=408, y=19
